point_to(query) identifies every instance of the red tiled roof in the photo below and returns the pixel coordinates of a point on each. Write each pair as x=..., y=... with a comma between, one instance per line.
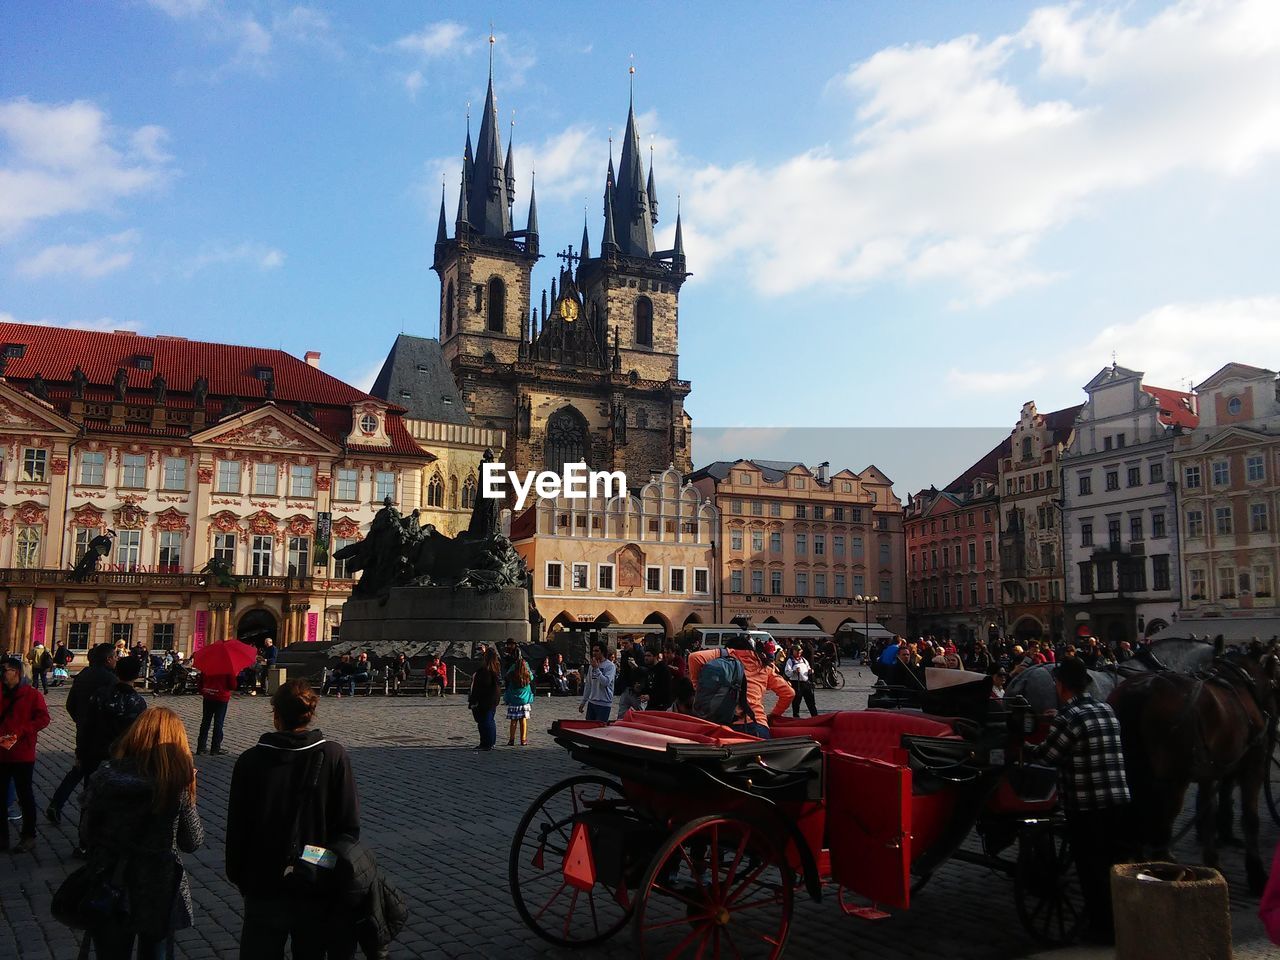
x=53, y=352
x=988, y=466
x=1061, y=422
x=1177, y=407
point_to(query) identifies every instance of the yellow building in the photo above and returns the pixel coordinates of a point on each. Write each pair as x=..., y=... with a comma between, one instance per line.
x=186, y=452
x=642, y=558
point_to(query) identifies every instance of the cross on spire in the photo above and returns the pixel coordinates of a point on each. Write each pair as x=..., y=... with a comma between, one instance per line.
x=569, y=257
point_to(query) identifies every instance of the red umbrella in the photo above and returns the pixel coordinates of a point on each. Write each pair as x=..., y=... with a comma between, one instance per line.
x=226, y=659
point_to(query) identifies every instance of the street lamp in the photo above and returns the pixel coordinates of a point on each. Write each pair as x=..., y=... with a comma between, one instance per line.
x=866, y=602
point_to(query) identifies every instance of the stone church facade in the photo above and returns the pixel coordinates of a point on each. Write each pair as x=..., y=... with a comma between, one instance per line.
x=590, y=370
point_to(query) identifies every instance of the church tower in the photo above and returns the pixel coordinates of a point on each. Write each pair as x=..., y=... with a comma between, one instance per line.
x=590, y=371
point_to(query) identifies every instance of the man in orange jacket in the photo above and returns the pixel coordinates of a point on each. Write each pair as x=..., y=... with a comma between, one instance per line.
x=760, y=676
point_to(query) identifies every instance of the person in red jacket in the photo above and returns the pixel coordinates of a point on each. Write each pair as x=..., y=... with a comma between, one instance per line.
x=23, y=714
x=216, y=691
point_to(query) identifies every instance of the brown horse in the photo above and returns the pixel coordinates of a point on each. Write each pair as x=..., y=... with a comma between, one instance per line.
x=1207, y=729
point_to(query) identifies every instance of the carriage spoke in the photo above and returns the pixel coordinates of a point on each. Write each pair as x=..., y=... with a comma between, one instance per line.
x=698, y=933
x=697, y=905
x=750, y=879
x=559, y=890
x=568, y=917
x=772, y=901
x=694, y=871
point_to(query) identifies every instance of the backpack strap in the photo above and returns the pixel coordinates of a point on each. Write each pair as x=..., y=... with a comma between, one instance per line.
x=310, y=778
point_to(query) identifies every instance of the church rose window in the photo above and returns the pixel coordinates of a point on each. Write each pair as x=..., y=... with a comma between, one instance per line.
x=567, y=439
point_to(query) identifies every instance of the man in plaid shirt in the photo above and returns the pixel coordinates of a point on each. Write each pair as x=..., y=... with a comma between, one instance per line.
x=1084, y=744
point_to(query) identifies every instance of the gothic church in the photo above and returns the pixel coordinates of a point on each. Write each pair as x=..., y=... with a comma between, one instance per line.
x=589, y=372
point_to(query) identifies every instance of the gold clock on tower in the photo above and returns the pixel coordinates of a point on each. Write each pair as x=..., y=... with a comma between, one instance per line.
x=568, y=309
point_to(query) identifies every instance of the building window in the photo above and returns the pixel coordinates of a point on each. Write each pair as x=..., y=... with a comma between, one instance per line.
x=837, y=514
x=677, y=579
x=228, y=477
x=1156, y=472
x=1113, y=532
x=170, y=551
x=973, y=553
x=604, y=576
x=653, y=579
x=802, y=512
x=1160, y=572
x=260, y=550
x=1222, y=520
x=819, y=512
x=1106, y=577
x=26, y=554
x=435, y=492
x=802, y=584
x=797, y=483
x=802, y=545
x=340, y=571
x=385, y=485
x=1254, y=471
x=988, y=551
x=224, y=549
x=93, y=468
x=175, y=473
x=567, y=439
x=757, y=581
x=1135, y=529
x=757, y=541
x=346, y=485
x=859, y=584
x=1133, y=477
x=1113, y=480
x=122, y=633
x=819, y=545
x=1258, y=518
x=736, y=507
x=555, y=576
x=1262, y=580
x=644, y=322
x=35, y=465
x=757, y=508
x=1221, y=473
x=735, y=538
x=775, y=509
x=840, y=585
x=78, y=636
x=1191, y=477
x=1157, y=526
x=448, y=310
x=819, y=584
x=265, y=479
x=775, y=583
x=735, y=581
x=1197, y=583
x=581, y=576
x=886, y=553
x=775, y=541
x=701, y=580
x=163, y=636
x=837, y=546
x=133, y=471
x=83, y=537
x=497, y=304
x=299, y=556
x=301, y=481
x=1195, y=523
x=128, y=549
x=1226, y=583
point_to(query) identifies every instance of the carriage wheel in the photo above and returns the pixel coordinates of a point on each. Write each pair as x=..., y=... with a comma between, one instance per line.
x=1046, y=888
x=719, y=887
x=835, y=679
x=1271, y=782
x=551, y=906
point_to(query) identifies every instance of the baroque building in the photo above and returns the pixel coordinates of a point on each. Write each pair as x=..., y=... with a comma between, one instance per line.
x=1120, y=549
x=798, y=545
x=589, y=371
x=186, y=452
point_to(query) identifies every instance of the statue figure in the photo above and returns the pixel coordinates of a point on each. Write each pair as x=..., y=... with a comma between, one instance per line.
x=526, y=416
x=121, y=383
x=4, y=362
x=619, y=424
x=218, y=571
x=160, y=388
x=484, y=514
x=269, y=388
x=38, y=388
x=200, y=391
x=232, y=406
x=305, y=412
x=99, y=547
x=78, y=382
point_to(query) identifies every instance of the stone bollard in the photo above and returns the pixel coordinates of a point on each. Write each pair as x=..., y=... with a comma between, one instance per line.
x=1165, y=910
x=275, y=677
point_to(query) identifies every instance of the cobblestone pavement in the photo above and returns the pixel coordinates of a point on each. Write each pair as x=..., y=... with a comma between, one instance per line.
x=440, y=817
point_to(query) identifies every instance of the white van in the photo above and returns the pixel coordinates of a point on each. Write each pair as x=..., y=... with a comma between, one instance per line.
x=716, y=634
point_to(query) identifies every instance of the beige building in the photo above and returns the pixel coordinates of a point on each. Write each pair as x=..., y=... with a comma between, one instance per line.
x=1228, y=477
x=799, y=546
x=188, y=452
x=647, y=557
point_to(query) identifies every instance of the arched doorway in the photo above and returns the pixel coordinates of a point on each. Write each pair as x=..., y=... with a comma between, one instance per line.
x=1155, y=626
x=692, y=618
x=1027, y=628
x=812, y=621
x=661, y=621
x=256, y=625
x=770, y=619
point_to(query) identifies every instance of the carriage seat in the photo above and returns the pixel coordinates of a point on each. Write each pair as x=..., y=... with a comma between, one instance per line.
x=874, y=734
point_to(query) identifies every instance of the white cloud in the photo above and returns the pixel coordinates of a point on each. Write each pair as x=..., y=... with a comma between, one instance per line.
x=255, y=254
x=994, y=381
x=179, y=9
x=96, y=258
x=255, y=43
x=67, y=158
x=413, y=82
x=957, y=166
x=103, y=324
x=443, y=38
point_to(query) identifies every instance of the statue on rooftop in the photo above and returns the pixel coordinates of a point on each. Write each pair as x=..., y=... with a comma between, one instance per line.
x=78, y=382
x=121, y=383
x=200, y=391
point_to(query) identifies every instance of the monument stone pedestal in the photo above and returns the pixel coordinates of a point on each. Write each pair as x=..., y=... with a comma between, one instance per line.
x=426, y=614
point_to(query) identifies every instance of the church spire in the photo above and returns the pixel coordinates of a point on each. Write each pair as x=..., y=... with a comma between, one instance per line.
x=585, y=252
x=678, y=248
x=442, y=232
x=532, y=228
x=609, y=242
x=460, y=224
x=488, y=203
x=652, y=191
x=509, y=167
x=633, y=222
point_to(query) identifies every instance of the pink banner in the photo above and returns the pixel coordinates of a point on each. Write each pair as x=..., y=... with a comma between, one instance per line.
x=39, y=619
x=313, y=627
x=202, y=629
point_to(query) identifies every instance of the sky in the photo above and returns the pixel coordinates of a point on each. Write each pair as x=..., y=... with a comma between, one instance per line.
x=901, y=215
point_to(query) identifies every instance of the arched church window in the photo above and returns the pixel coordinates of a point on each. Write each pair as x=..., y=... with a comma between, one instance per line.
x=644, y=322
x=568, y=440
x=453, y=492
x=469, y=493
x=448, y=310
x=435, y=492
x=497, y=304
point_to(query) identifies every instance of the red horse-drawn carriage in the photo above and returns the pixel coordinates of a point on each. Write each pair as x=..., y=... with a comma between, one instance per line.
x=698, y=836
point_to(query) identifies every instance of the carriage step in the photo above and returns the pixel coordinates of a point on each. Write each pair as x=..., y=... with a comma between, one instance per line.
x=867, y=912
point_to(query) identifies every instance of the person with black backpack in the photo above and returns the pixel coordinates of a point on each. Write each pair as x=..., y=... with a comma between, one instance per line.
x=293, y=799
x=730, y=683
x=113, y=710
